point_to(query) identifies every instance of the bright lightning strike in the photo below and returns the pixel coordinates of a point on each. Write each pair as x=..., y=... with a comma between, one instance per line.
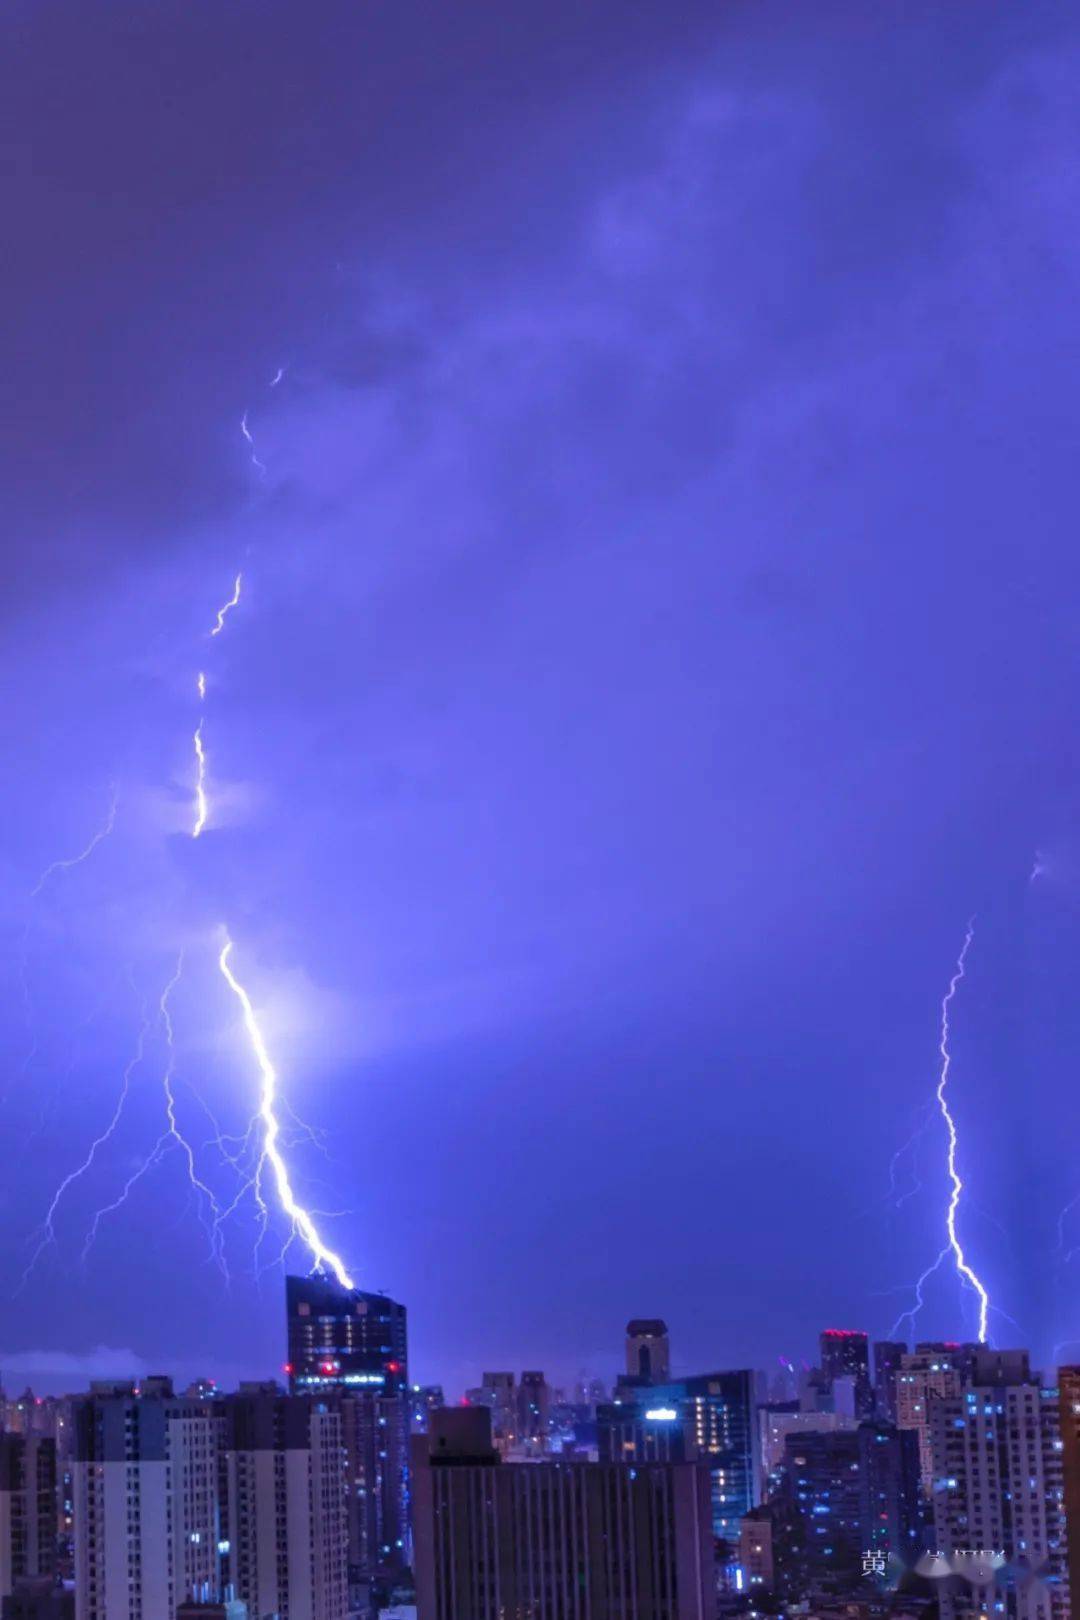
x=201, y=684
x=963, y=1268
x=228, y=606
x=952, y=1245
x=201, y=806
x=303, y=1223
x=84, y=854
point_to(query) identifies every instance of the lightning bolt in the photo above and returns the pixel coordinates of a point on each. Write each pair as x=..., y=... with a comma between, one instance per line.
x=201, y=806
x=303, y=1224
x=228, y=606
x=48, y=1231
x=50, y=871
x=260, y=467
x=953, y=1245
x=84, y=854
x=278, y=375
x=963, y=1269
x=171, y=1137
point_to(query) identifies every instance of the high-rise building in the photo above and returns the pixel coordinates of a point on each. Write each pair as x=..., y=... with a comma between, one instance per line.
x=822, y=1483
x=710, y=1419
x=285, y=1495
x=1069, y=1426
x=533, y=1412
x=856, y=1492
x=568, y=1538
x=888, y=1354
x=648, y=1350
x=353, y=1347
x=342, y=1338
x=145, y=1474
x=892, y=1517
x=929, y=1372
x=28, y=1503
x=845, y=1353
x=998, y=1497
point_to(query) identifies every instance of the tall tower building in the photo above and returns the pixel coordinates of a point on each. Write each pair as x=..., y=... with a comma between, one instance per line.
x=555, y=1538
x=285, y=1496
x=845, y=1353
x=145, y=1477
x=648, y=1350
x=28, y=1509
x=342, y=1338
x=998, y=1501
x=352, y=1348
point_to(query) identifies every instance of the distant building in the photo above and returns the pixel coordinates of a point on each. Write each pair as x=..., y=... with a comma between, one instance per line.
x=775, y=1426
x=423, y=1400
x=709, y=1419
x=533, y=1413
x=888, y=1354
x=558, y=1537
x=845, y=1353
x=648, y=1350
x=28, y=1504
x=145, y=1471
x=286, y=1506
x=998, y=1495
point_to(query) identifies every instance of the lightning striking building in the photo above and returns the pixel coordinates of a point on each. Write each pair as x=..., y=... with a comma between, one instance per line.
x=351, y=1348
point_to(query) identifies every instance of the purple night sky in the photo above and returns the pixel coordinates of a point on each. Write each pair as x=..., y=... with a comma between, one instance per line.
x=660, y=633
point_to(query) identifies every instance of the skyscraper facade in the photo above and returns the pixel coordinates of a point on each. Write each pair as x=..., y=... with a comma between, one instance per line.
x=999, y=1502
x=495, y=1539
x=284, y=1465
x=145, y=1474
x=28, y=1509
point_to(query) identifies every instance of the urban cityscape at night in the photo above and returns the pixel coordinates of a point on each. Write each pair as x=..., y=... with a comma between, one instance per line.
x=540, y=887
